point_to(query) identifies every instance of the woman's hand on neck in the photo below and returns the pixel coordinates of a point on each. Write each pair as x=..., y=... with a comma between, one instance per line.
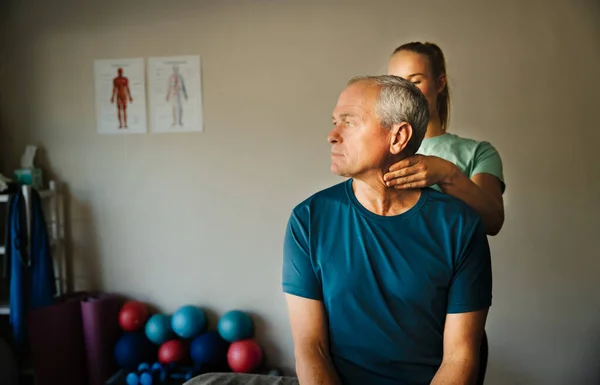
x=371, y=191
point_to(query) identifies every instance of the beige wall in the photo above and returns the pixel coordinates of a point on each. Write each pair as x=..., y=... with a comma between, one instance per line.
x=199, y=218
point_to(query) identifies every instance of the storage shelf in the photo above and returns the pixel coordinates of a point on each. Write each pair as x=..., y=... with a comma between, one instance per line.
x=54, y=223
x=43, y=194
x=4, y=307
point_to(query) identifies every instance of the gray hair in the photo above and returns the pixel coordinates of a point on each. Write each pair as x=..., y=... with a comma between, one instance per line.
x=400, y=101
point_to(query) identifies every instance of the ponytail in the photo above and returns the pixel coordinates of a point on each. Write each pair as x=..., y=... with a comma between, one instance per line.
x=437, y=63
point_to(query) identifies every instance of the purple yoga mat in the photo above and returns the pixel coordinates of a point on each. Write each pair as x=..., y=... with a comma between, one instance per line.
x=100, y=317
x=57, y=344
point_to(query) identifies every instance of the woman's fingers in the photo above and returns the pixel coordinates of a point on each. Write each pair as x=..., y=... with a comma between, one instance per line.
x=409, y=181
x=406, y=162
x=389, y=176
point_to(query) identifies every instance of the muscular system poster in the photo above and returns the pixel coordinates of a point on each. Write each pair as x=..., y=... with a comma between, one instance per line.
x=120, y=96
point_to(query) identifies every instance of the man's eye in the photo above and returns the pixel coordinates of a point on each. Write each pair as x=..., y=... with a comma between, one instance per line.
x=349, y=124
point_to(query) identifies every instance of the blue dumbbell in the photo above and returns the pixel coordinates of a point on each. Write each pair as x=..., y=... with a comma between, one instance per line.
x=165, y=370
x=156, y=367
x=144, y=378
x=184, y=373
x=132, y=379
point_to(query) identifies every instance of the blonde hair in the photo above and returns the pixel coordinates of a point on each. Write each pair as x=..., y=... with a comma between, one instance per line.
x=437, y=64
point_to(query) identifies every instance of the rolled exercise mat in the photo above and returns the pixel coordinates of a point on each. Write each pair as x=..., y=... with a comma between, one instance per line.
x=57, y=344
x=100, y=315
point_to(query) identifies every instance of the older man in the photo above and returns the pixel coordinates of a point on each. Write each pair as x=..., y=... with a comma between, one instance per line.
x=384, y=286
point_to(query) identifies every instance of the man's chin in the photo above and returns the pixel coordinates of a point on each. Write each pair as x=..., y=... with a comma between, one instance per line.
x=339, y=171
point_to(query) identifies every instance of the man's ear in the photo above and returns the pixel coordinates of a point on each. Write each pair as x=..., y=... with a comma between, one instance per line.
x=401, y=134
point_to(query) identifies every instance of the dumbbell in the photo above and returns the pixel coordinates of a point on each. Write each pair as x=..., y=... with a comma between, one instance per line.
x=144, y=375
x=185, y=374
x=134, y=378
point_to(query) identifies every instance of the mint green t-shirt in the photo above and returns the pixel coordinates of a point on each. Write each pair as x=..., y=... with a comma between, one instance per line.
x=471, y=157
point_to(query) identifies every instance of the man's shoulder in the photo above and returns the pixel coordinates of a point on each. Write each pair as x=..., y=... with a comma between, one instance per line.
x=444, y=207
x=322, y=197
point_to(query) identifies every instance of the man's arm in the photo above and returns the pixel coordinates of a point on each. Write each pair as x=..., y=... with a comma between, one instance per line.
x=469, y=300
x=462, y=339
x=311, y=342
x=304, y=296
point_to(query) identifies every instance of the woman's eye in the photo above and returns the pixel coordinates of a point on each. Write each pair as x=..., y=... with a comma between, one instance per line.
x=417, y=82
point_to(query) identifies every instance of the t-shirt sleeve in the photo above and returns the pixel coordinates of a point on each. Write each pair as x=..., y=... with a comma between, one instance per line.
x=298, y=275
x=471, y=286
x=488, y=161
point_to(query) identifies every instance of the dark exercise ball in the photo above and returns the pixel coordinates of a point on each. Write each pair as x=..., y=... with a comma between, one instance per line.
x=209, y=349
x=8, y=365
x=133, y=348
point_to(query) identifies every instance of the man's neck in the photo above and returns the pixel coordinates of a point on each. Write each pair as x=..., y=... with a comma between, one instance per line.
x=376, y=197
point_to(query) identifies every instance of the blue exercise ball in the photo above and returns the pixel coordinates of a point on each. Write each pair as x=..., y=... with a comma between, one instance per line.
x=188, y=321
x=209, y=349
x=158, y=329
x=132, y=349
x=235, y=325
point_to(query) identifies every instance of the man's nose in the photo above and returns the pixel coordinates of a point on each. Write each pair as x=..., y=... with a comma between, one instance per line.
x=334, y=136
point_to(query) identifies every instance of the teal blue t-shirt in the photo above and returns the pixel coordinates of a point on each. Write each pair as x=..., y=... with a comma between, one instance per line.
x=387, y=282
x=472, y=157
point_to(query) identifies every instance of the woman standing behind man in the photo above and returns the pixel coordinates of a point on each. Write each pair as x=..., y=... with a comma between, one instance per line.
x=467, y=169
x=464, y=168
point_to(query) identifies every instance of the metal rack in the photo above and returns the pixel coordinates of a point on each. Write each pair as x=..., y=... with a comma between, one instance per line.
x=54, y=220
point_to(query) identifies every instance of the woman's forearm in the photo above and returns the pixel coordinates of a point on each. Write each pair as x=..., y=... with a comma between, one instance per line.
x=489, y=208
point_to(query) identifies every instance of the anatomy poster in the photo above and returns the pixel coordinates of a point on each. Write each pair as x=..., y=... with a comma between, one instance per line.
x=175, y=93
x=120, y=96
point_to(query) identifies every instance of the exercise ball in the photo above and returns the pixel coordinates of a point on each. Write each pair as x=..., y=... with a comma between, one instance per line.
x=209, y=349
x=132, y=349
x=235, y=325
x=133, y=315
x=172, y=351
x=158, y=328
x=9, y=372
x=188, y=321
x=244, y=356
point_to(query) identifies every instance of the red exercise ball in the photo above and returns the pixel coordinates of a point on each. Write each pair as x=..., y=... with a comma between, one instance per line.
x=244, y=356
x=172, y=351
x=133, y=316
